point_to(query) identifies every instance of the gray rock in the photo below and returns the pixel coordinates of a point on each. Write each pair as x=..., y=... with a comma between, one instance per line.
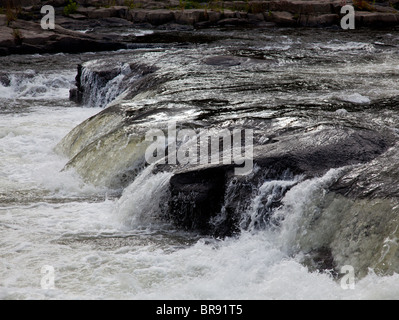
x=233, y=22
x=158, y=17
x=137, y=16
x=103, y=13
x=256, y=17
x=213, y=16
x=318, y=20
x=85, y=10
x=227, y=14
x=190, y=17
x=376, y=19
x=5, y=80
x=225, y=61
x=33, y=39
x=282, y=18
x=3, y=20
x=309, y=154
x=20, y=3
x=77, y=16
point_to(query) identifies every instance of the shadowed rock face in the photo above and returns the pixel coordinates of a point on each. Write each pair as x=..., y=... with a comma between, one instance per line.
x=198, y=195
x=378, y=180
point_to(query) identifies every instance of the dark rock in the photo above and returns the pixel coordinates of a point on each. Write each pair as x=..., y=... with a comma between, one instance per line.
x=55, y=3
x=227, y=14
x=137, y=16
x=318, y=20
x=213, y=16
x=376, y=19
x=158, y=17
x=77, y=16
x=102, y=13
x=225, y=61
x=199, y=194
x=85, y=10
x=3, y=20
x=256, y=7
x=179, y=27
x=256, y=17
x=5, y=80
x=378, y=181
x=203, y=188
x=20, y=3
x=33, y=39
x=6, y=39
x=75, y=95
x=190, y=17
x=233, y=22
x=282, y=18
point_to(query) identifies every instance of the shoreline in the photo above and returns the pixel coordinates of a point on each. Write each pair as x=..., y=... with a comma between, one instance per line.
x=22, y=33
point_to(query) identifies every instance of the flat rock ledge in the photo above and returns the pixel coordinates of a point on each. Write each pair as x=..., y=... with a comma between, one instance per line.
x=24, y=34
x=27, y=37
x=303, y=13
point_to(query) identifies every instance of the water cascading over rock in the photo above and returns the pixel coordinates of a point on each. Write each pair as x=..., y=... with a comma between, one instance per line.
x=343, y=220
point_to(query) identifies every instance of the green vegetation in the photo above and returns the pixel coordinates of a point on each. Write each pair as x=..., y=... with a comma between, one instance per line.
x=394, y=5
x=132, y=4
x=192, y=4
x=363, y=5
x=11, y=11
x=256, y=7
x=111, y=3
x=221, y=6
x=70, y=8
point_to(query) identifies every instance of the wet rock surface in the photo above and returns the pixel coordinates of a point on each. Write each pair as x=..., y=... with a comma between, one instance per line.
x=310, y=120
x=310, y=154
x=98, y=19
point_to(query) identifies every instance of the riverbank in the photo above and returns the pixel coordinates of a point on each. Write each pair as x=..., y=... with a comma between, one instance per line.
x=78, y=23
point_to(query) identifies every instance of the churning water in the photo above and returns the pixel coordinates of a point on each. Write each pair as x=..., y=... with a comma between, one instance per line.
x=106, y=243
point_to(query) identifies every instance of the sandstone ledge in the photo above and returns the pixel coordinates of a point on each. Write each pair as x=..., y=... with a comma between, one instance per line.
x=26, y=36
x=303, y=13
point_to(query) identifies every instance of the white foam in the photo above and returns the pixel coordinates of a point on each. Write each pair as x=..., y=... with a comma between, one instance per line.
x=355, y=98
x=27, y=158
x=253, y=266
x=34, y=86
x=337, y=45
x=342, y=112
x=142, y=201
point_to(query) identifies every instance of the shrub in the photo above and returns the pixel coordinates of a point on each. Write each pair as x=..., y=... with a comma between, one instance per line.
x=70, y=8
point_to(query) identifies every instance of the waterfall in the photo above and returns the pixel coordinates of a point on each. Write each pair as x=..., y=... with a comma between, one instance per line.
x=145, y=200
x=31, y=85
x=101, y=89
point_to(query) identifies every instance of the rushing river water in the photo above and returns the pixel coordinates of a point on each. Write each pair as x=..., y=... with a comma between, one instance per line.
x=104, y=241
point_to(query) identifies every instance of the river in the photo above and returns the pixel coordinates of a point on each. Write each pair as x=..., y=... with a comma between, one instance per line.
x=103, y=241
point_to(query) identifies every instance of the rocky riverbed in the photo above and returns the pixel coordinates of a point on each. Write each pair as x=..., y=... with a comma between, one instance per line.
x=76, y=190
x=88, y=27
x=322, y=110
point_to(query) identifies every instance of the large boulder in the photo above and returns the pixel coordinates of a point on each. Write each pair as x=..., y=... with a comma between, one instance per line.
x=310, y=154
